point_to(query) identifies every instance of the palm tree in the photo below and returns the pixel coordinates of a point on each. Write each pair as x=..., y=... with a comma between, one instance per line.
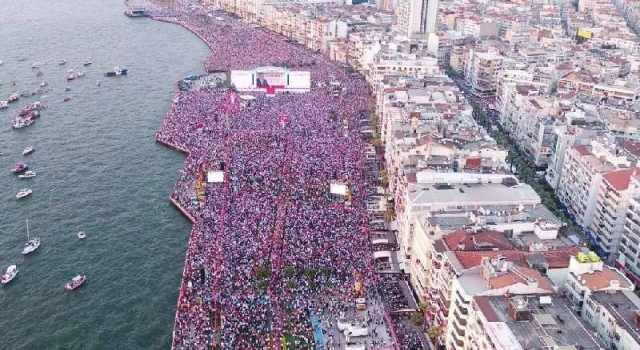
x=434, y=332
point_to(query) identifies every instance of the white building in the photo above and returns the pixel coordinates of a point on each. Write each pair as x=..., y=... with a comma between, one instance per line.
x=416, y=17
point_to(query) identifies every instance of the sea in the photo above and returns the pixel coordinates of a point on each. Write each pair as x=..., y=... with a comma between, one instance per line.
x=98, y=171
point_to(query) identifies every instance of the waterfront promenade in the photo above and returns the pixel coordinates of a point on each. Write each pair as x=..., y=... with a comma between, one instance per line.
x=270, y=246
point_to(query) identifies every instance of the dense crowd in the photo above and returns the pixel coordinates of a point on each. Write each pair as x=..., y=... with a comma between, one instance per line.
x=270, y=242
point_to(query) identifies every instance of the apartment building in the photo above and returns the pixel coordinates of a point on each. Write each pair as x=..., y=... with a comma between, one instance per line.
x=494, y=277
x=582, y=173
x=629, y=254
x=526, y=322
x=566, y=136
x=416, y=17
x=482, y=70
x=615, y=315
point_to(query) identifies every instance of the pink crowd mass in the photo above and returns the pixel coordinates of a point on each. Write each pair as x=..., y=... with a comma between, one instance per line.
x=274, y=259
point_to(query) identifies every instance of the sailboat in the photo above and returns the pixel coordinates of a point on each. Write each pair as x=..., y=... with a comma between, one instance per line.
x=32, y=244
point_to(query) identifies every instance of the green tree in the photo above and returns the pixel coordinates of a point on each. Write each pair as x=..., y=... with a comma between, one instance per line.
x=417, y=318
x=434, y=332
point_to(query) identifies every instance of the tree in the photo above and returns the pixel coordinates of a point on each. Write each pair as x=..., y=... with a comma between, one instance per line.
x=434, y=332
x=417, y=318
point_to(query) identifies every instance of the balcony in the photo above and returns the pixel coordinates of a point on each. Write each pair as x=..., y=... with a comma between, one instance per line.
x=462, y=320
x=462, y=309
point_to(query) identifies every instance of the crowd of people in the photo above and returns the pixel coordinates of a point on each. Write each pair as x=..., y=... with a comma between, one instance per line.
x=270, y=242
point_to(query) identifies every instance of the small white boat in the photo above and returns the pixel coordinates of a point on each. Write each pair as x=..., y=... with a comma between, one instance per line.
x=28, y=150
x=61, y=61
x=81, y=74
x=71, y=77
x=4, y=104
x=86, y=63
x=69, y=70
x=23, y=193
x=35, y=65
x=82, y=235
x=32, y=244
x=12, y=272
x=43, y=84
x=27, y=175
x=75, y=283
x=1, y=63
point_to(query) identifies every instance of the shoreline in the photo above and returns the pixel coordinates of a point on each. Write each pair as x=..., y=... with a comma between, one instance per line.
x=194, y=222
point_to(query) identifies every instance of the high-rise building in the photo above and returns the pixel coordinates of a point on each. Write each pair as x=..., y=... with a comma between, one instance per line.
x=416, y=16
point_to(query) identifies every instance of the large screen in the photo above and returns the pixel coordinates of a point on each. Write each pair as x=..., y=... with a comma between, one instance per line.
x=271, y=77
x=242, y=79
x=299, y=80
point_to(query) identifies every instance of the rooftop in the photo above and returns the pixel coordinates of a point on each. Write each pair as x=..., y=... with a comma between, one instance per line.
x=599, y=280
x=623, y=307
x=472, y=194
x=489, y=240
x=543, y=322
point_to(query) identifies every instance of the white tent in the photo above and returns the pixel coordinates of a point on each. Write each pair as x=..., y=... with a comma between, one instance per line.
x=215, y=176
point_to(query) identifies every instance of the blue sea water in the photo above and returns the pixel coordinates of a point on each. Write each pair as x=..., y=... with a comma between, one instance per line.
x=99, y=171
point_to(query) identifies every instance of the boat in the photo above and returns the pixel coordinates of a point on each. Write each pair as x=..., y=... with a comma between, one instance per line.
x=20, y=167
x=35, y=66
x=75, y=283
x=81, y=74
x=68, y=88
x=39, y=73
x=1, y=63
x=27, y=175
x=82, y=235
x=66, y=99
x=4, y=104
x=12, y=272
x=13, y=98
x=43, y=84
x=28, y=150
x=86, y=63
x=70, y=70
x=23, y=193
x=27, y=115
x=116, y=71
x=37, y=105
x=22, y=123
x=61, y=62
x=32, y=244
x=70, y=77
x=136, y=11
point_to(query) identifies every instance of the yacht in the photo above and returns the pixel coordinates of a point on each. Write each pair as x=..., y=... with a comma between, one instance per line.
x=28, y=150
x=23, y=193
x=20, y=167
x=12, y=272
x=32, y=244
x=75, y=283
x=27, y=175
x=13, y=97
x=20, y=123
x=116, y=71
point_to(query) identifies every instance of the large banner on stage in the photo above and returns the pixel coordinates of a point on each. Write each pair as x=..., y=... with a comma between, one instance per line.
x=270, y=78
x=242, y=79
